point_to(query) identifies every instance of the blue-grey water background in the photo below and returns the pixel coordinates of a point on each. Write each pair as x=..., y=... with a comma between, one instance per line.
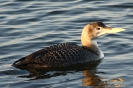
x=29, y=25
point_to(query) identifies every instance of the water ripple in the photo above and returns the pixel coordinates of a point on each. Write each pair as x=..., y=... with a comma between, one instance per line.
x=29, y=25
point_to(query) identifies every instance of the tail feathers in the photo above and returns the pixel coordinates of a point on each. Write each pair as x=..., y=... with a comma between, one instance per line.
x=20, y=63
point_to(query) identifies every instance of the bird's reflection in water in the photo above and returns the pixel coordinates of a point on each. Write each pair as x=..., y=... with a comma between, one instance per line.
x=89, y=77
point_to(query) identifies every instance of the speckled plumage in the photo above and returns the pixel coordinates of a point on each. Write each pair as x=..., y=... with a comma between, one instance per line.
x=57, y=56
x=70, y=54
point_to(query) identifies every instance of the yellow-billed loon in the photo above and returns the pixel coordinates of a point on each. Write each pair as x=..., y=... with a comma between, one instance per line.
x=68, y=54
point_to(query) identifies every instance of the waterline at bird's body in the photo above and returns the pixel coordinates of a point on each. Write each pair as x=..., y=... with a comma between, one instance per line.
x=69, y=54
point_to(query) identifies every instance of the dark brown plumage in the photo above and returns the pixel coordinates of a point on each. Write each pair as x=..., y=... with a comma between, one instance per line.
x=57, y=56
x=69, y=54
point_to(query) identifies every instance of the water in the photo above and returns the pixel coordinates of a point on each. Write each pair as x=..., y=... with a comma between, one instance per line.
x=29, y=25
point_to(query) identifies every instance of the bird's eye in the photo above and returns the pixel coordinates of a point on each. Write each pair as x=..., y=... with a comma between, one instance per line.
x=98, y=28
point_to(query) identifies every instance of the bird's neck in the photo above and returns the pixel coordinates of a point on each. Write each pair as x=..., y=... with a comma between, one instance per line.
x=87, y=42
x=93, y=46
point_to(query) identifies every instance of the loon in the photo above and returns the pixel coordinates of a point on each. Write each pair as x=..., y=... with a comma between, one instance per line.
x=68, y=54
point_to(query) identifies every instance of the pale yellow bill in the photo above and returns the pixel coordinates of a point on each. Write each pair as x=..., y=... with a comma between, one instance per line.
x=115, y=30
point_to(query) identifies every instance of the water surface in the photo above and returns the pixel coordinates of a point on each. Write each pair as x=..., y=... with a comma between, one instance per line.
x=29, y=25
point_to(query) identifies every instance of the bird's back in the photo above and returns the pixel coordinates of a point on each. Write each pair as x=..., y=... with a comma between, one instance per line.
x=59, y=55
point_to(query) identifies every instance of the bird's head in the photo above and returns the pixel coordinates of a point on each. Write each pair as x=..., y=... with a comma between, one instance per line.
x=96, y=29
